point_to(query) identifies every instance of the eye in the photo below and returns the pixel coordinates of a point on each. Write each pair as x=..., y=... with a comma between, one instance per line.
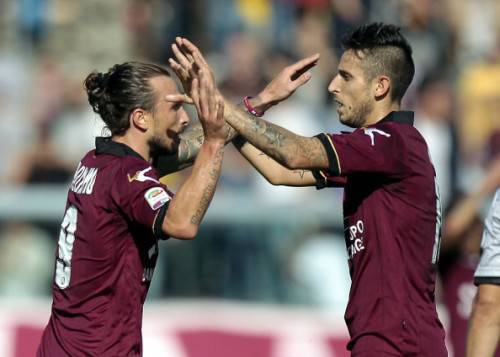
x=177, y=106
x=345, y=76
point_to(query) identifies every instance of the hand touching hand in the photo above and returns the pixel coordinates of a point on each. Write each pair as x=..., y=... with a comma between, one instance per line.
x=210, y=107
x=187, y=63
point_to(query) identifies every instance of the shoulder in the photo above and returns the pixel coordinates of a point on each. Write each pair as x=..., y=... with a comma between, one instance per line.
x=404, y=134
x=136, y=170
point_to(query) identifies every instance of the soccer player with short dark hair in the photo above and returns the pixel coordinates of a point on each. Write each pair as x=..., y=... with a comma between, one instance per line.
x=392, y=211
x=117, y=209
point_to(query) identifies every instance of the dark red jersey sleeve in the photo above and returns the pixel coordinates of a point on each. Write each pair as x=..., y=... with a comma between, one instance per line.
x=366, y=150
x=140, y=195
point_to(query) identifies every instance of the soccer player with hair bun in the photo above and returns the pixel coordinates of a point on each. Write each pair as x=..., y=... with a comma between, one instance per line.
x=117, y=210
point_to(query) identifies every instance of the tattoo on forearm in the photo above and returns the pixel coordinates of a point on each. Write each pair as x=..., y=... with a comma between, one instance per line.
x=301, y=173
x=209, y=191
x=279, y=143
x=190, y=144
x=192, y=141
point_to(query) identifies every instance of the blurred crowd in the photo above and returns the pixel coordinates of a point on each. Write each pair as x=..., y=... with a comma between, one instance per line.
x=47, y=47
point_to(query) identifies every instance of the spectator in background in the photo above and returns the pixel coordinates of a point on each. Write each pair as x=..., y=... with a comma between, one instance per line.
x=476, y=28
x=479, y=98
x=313, y=36
x=429, y=35
x=434, y=120
x=243, y=56
x=42, y=163
x=18, y=264
x=75, y=128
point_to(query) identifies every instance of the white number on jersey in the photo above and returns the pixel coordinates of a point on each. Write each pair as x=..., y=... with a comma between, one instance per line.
x=65, y=244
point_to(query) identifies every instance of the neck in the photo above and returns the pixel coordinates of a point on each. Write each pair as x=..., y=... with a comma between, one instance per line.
x=380, y=112
x=139, y=146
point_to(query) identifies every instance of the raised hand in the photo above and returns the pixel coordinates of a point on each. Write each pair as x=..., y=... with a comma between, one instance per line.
x=287, y=81
x=188, y=61
x=210, y=107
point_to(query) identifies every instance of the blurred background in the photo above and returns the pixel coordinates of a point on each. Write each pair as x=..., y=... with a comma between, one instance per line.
x=267, y=275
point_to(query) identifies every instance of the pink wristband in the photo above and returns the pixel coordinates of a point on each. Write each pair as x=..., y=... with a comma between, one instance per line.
x=251, y=109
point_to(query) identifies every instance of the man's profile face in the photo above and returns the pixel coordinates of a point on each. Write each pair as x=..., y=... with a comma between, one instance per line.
x=169, y=118
x=351, y=91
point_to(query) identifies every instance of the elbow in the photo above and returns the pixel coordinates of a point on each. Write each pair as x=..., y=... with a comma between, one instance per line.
x=293, y=163
x=274, y=180
x=186, y=234
x=184, y=231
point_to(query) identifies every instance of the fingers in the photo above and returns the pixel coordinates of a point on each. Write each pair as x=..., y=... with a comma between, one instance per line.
x=303, y=79
x=193, y=54
x=195, y=94
x=305, y=62
x=193, y=50
x=181, y=57
x=177, y=68
x=183, y=48
x=301, y=67
x=220, y=109
x=204, y=101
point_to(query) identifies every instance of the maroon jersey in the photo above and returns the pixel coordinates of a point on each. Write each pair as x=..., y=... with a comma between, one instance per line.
x=107, y=251
x=392, y=224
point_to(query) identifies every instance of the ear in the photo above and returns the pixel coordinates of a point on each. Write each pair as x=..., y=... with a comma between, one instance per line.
x=139, y=119
x=382, y=86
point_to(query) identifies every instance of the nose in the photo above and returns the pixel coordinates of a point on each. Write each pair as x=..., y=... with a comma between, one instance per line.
x=183, y=117
x=333, y=87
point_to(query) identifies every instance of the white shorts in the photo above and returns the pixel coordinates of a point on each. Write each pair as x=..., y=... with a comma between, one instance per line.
x=488, y=269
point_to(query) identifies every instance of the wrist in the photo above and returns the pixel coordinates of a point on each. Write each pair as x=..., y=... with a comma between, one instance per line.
x=261, y=103
x=214, y=143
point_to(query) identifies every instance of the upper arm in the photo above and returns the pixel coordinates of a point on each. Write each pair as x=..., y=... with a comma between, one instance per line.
x=141, y=196
x=310, y=154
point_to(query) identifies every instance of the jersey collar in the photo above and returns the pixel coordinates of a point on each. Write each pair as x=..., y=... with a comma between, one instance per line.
x=402, y=117
x=104, y=145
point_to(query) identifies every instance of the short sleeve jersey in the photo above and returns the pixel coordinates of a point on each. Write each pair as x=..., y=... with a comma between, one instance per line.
x=392, y=222
x=107, y=251
x=488, y=269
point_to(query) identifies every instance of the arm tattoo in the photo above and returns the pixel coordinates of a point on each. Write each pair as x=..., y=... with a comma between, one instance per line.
x=301, y=173
x=277, y=142
x=209, y=191
x=190, y=144
x=191, y=141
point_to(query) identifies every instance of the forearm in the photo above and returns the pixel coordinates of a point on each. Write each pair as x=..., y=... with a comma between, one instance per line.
x=271, y=170
x=189, y=148
x=464, y=212
x=490, y=182
x=290, y=150
x=190, y=203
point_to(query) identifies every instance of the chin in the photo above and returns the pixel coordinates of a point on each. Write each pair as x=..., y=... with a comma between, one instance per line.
x=348, y=123
x=158, y=148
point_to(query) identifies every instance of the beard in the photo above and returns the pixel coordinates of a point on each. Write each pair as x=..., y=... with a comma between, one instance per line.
x=358, y=115
x=158, y=147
